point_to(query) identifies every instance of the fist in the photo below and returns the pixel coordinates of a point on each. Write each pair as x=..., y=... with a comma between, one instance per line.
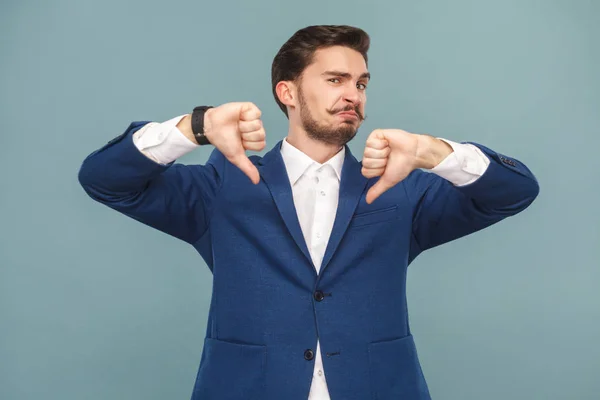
x=390, y=154
x=234, y=128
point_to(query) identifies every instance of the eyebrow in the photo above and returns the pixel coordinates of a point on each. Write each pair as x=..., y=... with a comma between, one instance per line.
x=346, y=74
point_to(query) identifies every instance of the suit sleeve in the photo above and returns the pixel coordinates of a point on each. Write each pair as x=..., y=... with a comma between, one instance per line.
x=173, y=198
x=443, y=212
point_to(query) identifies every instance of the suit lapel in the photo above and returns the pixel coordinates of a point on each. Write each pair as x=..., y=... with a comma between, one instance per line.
x=272, y=171
x=352, y=185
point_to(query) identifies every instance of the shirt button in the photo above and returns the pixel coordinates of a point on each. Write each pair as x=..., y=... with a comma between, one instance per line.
x=320, y=373
x=322, y=193
x=309, y=355
x=318, y=235
x=316, y=179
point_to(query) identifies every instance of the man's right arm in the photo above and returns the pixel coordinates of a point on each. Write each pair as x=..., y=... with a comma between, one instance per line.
x=135, y=174
x=163, y=142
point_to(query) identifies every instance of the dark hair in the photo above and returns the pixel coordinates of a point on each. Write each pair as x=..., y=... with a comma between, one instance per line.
x=298, y=52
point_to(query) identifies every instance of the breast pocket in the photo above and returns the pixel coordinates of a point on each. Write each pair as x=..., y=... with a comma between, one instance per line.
x=231, y=371
x=374, y=217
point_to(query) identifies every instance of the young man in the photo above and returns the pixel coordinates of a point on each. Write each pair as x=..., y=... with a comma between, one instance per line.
x=308, y=247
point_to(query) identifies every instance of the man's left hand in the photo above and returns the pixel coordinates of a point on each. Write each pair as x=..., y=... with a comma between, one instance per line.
x=393, y=154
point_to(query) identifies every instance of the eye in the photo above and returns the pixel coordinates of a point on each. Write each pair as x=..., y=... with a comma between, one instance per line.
x=364, y=87
x=333, y=79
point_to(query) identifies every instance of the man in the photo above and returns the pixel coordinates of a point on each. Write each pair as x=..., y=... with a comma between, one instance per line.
x=308, y=247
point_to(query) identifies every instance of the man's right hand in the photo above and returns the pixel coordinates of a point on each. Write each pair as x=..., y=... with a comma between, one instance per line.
x=232, y=128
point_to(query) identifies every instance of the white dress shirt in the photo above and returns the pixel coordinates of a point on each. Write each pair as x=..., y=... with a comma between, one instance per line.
x=315, y=190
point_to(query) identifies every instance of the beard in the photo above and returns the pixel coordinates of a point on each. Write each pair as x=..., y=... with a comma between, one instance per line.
x=333, y=135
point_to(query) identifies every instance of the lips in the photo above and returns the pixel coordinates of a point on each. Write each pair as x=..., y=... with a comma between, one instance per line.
x=348, y=114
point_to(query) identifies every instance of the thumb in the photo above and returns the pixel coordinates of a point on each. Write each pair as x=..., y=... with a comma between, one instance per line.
x=378, y=189
x=245, y=165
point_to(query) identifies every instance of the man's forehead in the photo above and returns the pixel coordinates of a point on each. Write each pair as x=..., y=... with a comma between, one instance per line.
x=339, y=61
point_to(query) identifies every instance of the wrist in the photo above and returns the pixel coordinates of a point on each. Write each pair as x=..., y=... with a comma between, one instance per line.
x=431, y=151
x=208, y=124
x=201, y=123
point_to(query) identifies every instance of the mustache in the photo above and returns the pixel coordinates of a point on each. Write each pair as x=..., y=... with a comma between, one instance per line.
x=349, y=108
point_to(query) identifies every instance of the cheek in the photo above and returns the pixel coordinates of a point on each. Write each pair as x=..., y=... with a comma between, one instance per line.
x=319, y=105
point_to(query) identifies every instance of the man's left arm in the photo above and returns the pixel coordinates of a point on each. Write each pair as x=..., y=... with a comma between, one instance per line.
x=468, y=186
x=464, y=165
x=471, y=188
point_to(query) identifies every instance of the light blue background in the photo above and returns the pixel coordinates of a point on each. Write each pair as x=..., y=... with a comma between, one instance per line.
x=94, y=305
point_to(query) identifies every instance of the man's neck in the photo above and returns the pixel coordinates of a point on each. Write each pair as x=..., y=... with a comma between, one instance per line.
x=316, y=150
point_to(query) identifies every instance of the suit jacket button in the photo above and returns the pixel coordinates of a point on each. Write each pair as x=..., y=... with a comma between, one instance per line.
x=319, y=296
x=309, y=355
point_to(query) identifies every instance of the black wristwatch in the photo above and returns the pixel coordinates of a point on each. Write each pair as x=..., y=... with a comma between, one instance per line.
x=198, y=124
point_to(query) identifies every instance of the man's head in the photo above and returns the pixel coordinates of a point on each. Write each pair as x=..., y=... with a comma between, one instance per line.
x=320, y=72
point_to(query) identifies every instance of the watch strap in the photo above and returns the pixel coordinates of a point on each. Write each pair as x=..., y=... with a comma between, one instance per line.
x=198, y=124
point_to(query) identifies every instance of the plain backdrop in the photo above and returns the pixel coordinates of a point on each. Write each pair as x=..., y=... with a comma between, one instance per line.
x=94, y=305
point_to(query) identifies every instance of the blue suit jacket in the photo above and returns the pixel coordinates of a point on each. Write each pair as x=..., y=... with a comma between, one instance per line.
x=268, y=304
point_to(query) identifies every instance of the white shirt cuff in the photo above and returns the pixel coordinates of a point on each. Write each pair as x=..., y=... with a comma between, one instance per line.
x=163, y=142
x=464, y=165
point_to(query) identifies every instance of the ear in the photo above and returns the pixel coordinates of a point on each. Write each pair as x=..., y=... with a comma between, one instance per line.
x=286, y=92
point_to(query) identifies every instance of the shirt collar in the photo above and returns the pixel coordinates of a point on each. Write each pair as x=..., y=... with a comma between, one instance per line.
x=296, y=162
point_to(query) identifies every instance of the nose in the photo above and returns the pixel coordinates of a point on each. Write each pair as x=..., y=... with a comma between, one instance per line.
x=352, y=95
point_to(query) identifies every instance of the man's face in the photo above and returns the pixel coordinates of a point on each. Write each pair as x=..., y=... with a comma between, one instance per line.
x=332, y=95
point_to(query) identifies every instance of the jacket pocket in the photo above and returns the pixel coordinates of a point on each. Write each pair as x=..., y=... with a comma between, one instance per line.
x=373, y=217
x=395, y=372
x=231, y=371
